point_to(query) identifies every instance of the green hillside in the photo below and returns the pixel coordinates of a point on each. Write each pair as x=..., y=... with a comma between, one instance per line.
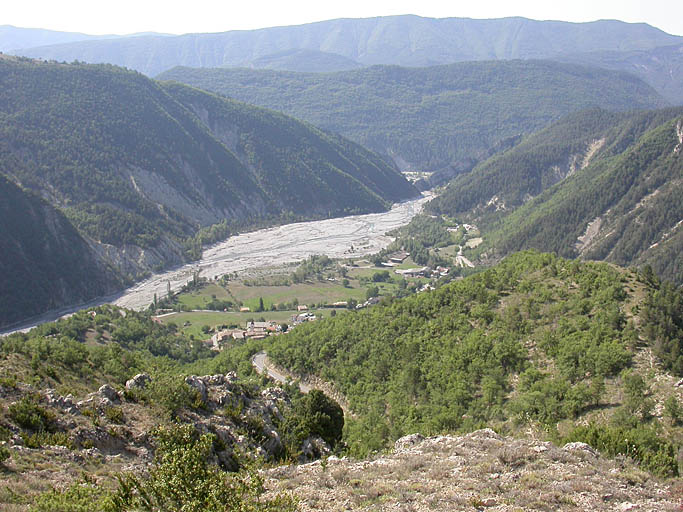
x=623, y=206
x=45, y=262
x=147, y=175
x=661, y=67
x=545, y=158
x=534, y=341
x=430, y=118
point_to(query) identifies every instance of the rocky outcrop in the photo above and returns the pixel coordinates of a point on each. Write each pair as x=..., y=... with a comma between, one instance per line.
x=478, y=471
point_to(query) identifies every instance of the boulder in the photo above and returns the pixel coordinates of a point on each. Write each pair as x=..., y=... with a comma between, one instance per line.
x=408, y=441
x=198, y=384
x=580, y=447
x=109, y=393
x=140, y=381
x=313, y=448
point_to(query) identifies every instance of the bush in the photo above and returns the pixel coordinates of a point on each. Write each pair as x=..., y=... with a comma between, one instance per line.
x=29, y=415
x=4, y=454
x=78, y=497
x=314, y=414
x=643, y=444
x=183, y=479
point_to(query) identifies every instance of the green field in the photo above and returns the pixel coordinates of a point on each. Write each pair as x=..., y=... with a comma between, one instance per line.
x=308, y=293
x=198, y=299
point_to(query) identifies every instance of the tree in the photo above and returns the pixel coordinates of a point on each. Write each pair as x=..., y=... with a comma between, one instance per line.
x=372, y=291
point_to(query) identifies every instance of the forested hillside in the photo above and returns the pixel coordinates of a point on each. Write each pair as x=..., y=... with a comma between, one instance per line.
x=616, y=195
x=431, y=118
x=44, y=261
x=661, y=67
x=141, y=174
x=534, y=341
x=542, y=159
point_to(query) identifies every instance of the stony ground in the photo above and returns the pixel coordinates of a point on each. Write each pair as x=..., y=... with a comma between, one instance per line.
x=478, y=471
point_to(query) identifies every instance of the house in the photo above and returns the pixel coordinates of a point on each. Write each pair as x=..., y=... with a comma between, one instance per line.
x=413, y=272
x=244, y=309
x=398, y=257
x=302, y=307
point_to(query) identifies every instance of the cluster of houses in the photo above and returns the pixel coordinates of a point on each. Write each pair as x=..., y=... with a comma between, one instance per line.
x=423, y=272
x=254, y=330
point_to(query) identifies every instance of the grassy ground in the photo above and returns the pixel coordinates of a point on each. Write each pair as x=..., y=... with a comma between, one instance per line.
x=311, y=293
x=314, y=292
x=198, y=299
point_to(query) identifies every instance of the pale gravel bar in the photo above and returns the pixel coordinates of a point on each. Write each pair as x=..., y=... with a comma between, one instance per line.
x=279, y=245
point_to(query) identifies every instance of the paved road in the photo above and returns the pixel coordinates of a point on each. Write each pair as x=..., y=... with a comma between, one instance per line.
x=262, y=364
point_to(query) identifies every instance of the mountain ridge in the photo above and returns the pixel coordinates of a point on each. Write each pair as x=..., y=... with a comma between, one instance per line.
x=428, y=119
x=136, y=168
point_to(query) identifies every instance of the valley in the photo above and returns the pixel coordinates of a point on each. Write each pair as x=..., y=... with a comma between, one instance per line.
x=343, y=237
x=381, y=264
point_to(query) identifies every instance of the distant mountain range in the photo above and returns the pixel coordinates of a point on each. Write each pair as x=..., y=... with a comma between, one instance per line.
x=597, y=184
x=441, y=118
x=14, y=38
x=408, y=40
x=146, y=172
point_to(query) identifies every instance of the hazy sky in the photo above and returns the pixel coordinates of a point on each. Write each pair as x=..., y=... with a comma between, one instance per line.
x=176, y=16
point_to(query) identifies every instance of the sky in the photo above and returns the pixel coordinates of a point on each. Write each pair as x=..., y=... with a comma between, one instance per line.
x=179, y=17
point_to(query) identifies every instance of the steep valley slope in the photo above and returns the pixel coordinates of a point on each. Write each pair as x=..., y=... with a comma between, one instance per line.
x=147, y=172
x=439, y=118
x=598, y=185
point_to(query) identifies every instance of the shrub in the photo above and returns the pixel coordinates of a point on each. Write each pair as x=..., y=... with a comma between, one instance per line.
x=315, y=414
x=114, y=415
x=642, y=443
x=78, y=497
x=4, y=454
x=29, y=415
x=183, y=479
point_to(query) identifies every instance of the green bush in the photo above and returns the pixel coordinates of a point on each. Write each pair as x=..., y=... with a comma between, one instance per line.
x=641, y=443
x=114, y=415
x=29, y=415
x=4, y=454
x=78, y=497
x=314, y=414
x=183, y=479
x=40, y=439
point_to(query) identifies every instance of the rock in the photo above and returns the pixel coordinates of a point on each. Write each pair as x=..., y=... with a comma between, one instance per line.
x=580, y=447
x=489, y=502
x=274, y=394
x=215, y=380
x=140, y=381
x=408, y=441
x=198, y=384
x=624, y=507
x=108, y=392
x=65, y=403
x=485, y=433
x=313, y=448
